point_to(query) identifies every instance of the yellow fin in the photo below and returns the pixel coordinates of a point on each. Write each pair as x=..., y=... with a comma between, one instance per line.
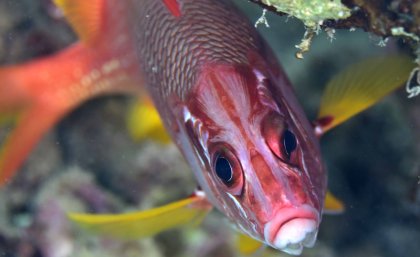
x=360, y=86
x=247, y=245
x=143, y=121
x=85, y=16
x=332, y=205
x=145, y=223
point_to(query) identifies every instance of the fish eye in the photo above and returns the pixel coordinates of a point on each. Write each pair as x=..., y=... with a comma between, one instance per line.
x=227, y=169
x=281, y=140
x=224, y=169
x=289, y=142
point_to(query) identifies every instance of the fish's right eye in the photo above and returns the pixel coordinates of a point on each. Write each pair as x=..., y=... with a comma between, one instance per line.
x=272, y=128
x=281, y=140
x=289, y=142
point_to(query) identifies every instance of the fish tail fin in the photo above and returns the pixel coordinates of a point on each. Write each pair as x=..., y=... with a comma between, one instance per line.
x=44, y=90
x=13, y=95
x=86, y=17
x=39, y=93
x=145, y=223
x=15, y=116
x=143, y=121
x=360, y=86
x=30, y=126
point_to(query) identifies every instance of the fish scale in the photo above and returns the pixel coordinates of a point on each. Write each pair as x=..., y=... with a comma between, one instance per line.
x=206, y=32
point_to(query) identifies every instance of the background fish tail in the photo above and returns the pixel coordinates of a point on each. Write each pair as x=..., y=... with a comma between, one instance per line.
x=37, y=94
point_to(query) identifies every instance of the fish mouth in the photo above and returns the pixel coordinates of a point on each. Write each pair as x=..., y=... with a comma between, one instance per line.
x=292, y=229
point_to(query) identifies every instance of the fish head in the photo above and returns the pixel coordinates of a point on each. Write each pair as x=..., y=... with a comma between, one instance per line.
x=253, y=157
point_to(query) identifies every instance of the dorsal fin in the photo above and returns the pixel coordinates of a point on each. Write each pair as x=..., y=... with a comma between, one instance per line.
x=85, y=16
x=173, y=7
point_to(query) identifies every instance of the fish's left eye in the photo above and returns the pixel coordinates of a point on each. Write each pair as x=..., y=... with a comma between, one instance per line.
x=227, y=169
x=224, y=169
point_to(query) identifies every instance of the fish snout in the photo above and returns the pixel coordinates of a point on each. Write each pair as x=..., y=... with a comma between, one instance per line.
x=292, y=229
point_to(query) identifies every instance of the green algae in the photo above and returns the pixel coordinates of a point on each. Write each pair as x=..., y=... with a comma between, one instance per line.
x=311, y=12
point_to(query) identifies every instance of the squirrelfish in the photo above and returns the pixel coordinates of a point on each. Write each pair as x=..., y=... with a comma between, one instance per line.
x=223, y=98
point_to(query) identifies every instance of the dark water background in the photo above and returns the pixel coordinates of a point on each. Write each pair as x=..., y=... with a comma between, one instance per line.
x=89, y=163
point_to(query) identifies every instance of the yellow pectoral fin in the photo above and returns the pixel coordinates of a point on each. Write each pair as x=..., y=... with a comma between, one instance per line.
x=86, y=17
x=145, y=223
x=360, y=86
x=247, y=245
x=332, y=205
x=143, y=121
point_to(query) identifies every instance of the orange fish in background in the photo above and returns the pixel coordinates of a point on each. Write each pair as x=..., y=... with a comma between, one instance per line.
x=40, y=92
x=225, y=101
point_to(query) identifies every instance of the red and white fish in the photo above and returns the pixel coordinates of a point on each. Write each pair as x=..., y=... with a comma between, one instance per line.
x=221, y=95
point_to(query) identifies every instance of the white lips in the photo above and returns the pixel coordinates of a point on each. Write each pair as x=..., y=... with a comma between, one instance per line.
x=296, y=234
x=292, y=229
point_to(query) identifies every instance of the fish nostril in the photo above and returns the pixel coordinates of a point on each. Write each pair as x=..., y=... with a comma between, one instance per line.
x=262, y=169
x=259, y=162
x=253, y=152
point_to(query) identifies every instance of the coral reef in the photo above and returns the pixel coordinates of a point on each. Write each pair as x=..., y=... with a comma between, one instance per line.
x=383, y=18
x=311, y=12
